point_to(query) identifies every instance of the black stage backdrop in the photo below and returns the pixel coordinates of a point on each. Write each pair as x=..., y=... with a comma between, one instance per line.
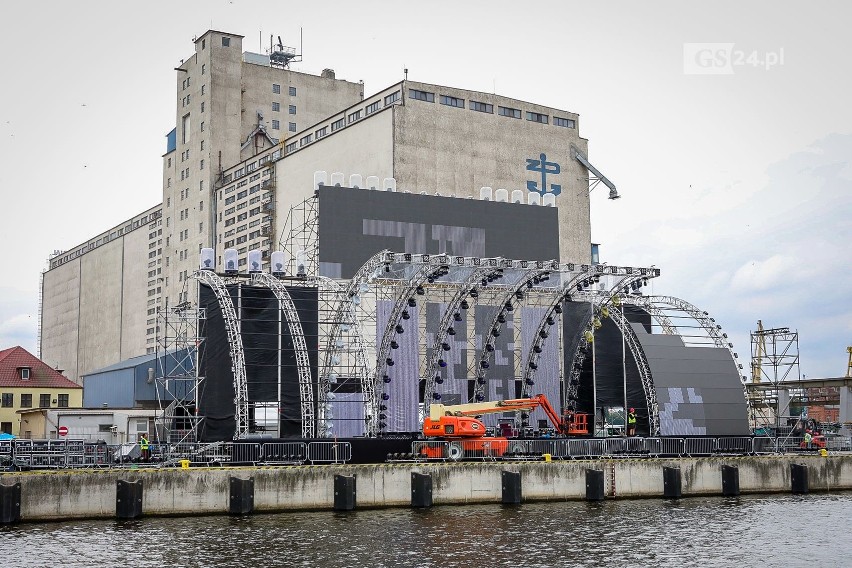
x=609, y=368
x=266, y=340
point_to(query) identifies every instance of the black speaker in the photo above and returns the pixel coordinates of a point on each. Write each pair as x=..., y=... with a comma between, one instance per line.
x=128, y=499
x=671, y=483
x=799, y=478
x=595, y=485
x=344, y=492
x=511, y=488
x=241, y=496
x=10, y=504
x=421, y=490
x=730, y=481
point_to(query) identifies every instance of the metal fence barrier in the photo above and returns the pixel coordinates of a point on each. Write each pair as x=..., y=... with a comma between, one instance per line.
x=329, y=452
x=284, y=452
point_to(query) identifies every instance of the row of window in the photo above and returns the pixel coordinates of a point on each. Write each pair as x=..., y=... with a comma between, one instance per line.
x=7, y=400
x=107, y=237
x=276, y=90
x=477, y=106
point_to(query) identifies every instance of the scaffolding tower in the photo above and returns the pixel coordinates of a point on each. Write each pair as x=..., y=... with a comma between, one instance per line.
x=176, y=375
x=774, y=359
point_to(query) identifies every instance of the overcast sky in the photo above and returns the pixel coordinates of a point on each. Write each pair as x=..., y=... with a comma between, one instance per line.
x=736, y=184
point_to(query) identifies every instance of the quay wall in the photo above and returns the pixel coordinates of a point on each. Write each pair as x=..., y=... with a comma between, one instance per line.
x=55, y=495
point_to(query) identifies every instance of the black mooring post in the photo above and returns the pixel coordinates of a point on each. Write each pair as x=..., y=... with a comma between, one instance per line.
x=128, y=499
x=799, y=478
x=344, y=492
x=421, y=490
x=511, y=482
x=10, y=504
x=241, y=496
x=595, y=485
x=671, y=483
x=730, y=481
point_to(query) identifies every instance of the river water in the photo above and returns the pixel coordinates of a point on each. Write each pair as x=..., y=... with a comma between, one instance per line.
x=776, y=530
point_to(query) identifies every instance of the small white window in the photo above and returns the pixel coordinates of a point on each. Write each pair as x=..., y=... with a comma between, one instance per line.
x=25, y=373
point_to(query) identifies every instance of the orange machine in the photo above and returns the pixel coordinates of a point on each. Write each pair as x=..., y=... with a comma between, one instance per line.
x=457, y=424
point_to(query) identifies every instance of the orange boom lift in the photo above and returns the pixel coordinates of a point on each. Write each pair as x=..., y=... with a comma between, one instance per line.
x=465, y=433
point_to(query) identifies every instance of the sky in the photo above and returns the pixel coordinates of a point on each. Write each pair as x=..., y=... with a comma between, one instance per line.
x=726, y=126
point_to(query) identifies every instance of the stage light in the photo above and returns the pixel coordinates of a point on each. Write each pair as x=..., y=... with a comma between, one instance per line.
x=394, y=345
x=382, y=425
x=537, y=348
x=489, y=347
x=451, y=331
x=386, y=379
x=439, y=380
x=558, y=309
x=550, y=320
x=457, y=316
x=519, y=294
x=405, y=314
x=579, y=287
x=464, y=305
x=644, y=282
x=387, y=268
x=495, y=332
x=530, y=382
x=382, y=416
x=530, y=284
x=484, y=364
x=626, y=291
x=436, y=395
x=509, y=307
x=389, y=361
x=501, y=318
x=399, y=329
x=484, y=282
x=543, y=334
x=420, y=291
x=442, y=363
x=385, y=396
x=383, y=407
x=575, y=381
x=480, y=397
x=412, y=302
x=445, y=346
x=474, y=293
x=430, y=280
x=597, y=278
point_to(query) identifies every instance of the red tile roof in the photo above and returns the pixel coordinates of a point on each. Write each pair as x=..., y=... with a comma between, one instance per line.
x=41, y=374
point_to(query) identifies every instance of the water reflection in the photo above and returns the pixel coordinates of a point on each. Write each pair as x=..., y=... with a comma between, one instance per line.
x=747, y=531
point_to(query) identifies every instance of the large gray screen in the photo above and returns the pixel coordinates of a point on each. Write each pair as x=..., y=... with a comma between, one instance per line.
x=355, y=224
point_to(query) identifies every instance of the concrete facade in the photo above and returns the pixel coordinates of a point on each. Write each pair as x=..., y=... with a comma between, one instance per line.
x=63, y=495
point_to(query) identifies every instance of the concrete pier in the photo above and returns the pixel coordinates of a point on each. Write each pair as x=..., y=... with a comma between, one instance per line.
x=60, y=495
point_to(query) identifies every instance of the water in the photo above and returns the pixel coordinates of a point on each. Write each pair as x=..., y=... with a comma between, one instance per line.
x=777, y=530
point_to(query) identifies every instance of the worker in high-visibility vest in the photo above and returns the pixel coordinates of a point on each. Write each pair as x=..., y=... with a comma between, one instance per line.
x=631, y=422
x=144, y=445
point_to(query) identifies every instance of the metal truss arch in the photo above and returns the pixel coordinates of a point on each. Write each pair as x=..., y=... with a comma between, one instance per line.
x=303, y=362
x=235, y=345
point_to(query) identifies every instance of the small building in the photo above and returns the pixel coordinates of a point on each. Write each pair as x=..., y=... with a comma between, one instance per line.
x=27, y=382
x=112, y=425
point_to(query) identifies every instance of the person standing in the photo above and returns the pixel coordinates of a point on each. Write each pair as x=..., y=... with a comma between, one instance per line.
x=145, y=446
x=631, y=422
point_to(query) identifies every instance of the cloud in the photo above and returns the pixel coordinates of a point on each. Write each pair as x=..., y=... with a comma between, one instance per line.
x=19, y=329
x=756, y=275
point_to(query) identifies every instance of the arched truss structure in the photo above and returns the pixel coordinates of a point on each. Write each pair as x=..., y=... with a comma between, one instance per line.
x=346, y=316
x=618, y=279
x=526, y=280
x=235, y=344
x=300, y=348
x=489, y=269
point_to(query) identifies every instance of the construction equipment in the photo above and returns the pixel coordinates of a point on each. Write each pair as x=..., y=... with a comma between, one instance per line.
x=849, y=366
x=466, y=434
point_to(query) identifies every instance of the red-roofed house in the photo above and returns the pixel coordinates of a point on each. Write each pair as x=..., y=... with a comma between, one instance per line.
x=27, y=382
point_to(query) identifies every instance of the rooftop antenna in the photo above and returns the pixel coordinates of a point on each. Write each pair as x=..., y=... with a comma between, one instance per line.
x=405, y=70
x=281, y=56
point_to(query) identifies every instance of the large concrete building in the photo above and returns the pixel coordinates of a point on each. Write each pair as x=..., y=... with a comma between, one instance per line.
x=248, y=137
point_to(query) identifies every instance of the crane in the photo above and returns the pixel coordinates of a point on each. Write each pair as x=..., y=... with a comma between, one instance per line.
x=459, y=425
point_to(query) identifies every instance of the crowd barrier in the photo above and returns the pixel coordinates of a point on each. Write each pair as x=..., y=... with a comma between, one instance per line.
x=63, y=453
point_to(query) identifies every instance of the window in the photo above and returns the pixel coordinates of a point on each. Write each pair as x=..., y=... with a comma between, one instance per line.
x=202, y=126
x=8, y=400
x=421, y=95
x=203, y=46
x=6, y=427
x=292, y=91
x=276, y=107
x=44, y=401
x=201, y=206
x=392, y=98
x=337, y=124
x=202, y=106
x=25, y=373
x=537, y=117
x=481, y=107
x=201, y=165
x=202, y=91
x=202, y=145
x=306, y=140
x=321, y=132
x=226, y=42
x=291, y=109
x=26, y=401
x=276, y=89
x=510, y=112
x=63, y=401
x=291, y=127
x=242, y=194
x=452, y=101
x=201, y=227
x=185, y=129
x=290, y=147
x=203, y=68
x=564, y=122
x=354, y=116
x=371, y=108
x=276, y=125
